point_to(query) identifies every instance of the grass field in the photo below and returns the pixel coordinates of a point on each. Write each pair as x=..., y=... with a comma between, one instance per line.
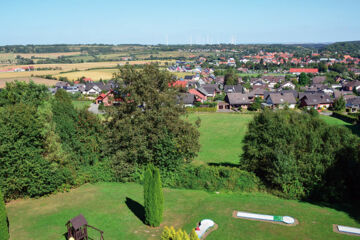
x=81, y=104
x=117, y=209
x=221, y=136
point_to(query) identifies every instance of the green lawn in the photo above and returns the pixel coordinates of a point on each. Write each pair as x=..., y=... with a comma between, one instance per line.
x=334, y=121
x=81, y=104
x=221, y=136
x=104, y=207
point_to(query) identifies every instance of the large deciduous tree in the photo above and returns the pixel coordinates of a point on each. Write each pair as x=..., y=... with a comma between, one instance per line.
x=147, y=126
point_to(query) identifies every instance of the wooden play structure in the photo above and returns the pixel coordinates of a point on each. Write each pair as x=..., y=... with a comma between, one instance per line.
x=78, y=229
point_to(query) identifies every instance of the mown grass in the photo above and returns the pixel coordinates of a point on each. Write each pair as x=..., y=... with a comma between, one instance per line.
x=221, y=136
x=115, y=208
x=81, y=104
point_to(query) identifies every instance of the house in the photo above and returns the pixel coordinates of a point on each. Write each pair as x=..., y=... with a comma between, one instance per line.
x=319, y=79
x=61, y=84
x=187, y=99
x=280, y=100
x=258, y=92
x=106, y=98
x=233, y=89
x=303, y=70
x=72, y=89
x=316, y=101
x=178, y=83
x=288, y=85
x=198, y=95
x=93, y=88
x=350, y=86
x=209, y=90
x=238, y=100
x=353, y=104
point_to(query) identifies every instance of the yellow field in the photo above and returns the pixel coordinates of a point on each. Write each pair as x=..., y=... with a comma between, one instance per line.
x=96, y=75
x=82, y=67
x=37, y=80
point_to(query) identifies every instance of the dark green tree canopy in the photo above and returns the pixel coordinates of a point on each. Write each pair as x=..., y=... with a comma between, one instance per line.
x=294, y=152
x=148, y=127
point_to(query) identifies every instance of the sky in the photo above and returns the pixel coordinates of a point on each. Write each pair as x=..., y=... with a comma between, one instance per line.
x=178, y=22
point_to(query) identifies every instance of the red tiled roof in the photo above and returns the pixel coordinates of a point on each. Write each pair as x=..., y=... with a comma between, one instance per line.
x=178, y=84
x=197, y=93
x=305, y=70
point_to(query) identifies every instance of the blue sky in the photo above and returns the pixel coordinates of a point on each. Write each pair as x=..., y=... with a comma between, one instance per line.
x=196, y=21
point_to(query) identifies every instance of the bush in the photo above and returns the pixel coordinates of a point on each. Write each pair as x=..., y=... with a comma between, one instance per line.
x=201, y=109
x=4, y=229
x=210, y=178
x=295, y=154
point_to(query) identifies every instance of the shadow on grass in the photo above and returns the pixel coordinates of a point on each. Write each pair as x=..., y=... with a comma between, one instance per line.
x=136, y=208
x=224, y=164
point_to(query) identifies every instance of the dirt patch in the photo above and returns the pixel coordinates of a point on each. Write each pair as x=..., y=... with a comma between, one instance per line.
x=335, y=229
x=274, y=222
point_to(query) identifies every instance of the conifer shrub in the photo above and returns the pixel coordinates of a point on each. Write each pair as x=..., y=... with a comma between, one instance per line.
x=153, y=196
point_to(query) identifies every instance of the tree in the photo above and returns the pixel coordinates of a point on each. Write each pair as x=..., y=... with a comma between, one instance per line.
x=4, y=229
x=153, y=197
x=304, y=79
x=339, y=104
x=147, y=127
x=231, y=77
x=256, y=105
x=294, y=152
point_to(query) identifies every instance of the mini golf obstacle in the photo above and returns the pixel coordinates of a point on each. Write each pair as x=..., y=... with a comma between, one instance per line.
x=205, y=227
x=347, y=230
x=285, y=220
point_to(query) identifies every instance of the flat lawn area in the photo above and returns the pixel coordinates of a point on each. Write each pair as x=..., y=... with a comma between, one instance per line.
x=221, y=136
x=117, y=209
x=334, y=121
x=81, y=104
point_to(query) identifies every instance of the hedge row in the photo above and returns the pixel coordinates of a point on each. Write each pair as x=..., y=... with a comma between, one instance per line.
x=211, y=178
x=201, y=109
x=347, y=118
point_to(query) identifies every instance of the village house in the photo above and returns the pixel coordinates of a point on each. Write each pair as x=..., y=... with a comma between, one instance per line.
x=316, y=101
x=288, y=85
x=209, y=90
x=187, y=99
x=280, y=100
x=106, y=98
x=353, y=104
x=238, y=100
x=198, y=95
x=233, y=89
x=350, y=86
x=319, y=79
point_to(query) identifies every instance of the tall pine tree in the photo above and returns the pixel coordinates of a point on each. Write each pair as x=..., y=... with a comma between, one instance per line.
x=4, y=230
x=153, y=197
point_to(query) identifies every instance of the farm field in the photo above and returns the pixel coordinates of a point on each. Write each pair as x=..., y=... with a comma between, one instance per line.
x=116, y=208
x=88, y=66
x=221, y=135
x=37, y=80
x=104, y=74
